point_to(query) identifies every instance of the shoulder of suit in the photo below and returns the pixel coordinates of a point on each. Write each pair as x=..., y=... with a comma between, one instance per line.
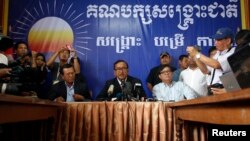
x=156, y=67
x=131, y=78
x=111, y=81
x=59, y=84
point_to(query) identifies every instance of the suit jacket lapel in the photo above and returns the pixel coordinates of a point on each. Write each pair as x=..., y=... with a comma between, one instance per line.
x=63, y=90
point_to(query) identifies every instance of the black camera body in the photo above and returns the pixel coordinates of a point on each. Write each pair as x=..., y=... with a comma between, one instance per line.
x=216, y=85
x=20, y=79
x=10, y=88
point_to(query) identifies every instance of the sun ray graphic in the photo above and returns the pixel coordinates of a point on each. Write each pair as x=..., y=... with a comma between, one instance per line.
x=48, y=8
x=41, y=8
x=48, y=26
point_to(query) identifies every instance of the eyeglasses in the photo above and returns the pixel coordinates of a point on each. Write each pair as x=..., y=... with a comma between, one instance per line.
x=121, y=69
x=165, y=72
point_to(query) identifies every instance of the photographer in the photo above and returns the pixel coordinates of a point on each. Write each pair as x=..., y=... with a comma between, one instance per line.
x=5, y=44
x=218, y=64
x=5, y=71
x=16, y=78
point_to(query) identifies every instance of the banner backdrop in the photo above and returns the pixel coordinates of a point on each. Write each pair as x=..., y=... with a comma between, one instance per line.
x=137, y=31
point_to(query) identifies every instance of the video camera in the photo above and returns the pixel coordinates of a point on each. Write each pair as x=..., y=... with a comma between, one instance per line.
x=21, y=77
x=19, y=80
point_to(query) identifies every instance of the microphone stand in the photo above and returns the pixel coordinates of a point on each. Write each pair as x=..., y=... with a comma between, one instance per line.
x=109, y=96
x=124, y=93
x=138, y=94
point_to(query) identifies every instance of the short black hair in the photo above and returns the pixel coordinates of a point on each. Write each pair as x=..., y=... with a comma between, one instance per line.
x=5, y=42
x=118, y=61
x=65, y=66
x=40, y=54
x=243, y=36
x=164, y=66
x=181, y=57
x=20, y=42
x=211, y=49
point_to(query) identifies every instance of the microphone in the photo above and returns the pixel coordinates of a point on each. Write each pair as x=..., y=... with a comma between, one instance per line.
x=137, y=88
x=137, y=85
x=127, y=90
x=123, y=84
x=110, y=89
x=128, y=86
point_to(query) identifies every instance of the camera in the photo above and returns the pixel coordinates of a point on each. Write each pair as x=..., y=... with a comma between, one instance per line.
x=10, y=88
x=21, y=79
x=216, y=85
x=198, y=48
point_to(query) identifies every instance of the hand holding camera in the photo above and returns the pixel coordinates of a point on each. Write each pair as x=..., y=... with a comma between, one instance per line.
x=4, y=72
x=215, y=89
x=193, y=50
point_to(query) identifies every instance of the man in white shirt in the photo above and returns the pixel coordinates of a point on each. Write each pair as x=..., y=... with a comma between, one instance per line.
x=169, y=90
x=194, y=78
x=219, y=64
x=5, y=44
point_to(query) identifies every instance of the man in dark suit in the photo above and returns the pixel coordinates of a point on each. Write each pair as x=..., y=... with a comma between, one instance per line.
x=70, y=89
x=123, y=87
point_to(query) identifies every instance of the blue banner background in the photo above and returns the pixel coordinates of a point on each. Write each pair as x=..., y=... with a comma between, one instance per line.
x=103, y=38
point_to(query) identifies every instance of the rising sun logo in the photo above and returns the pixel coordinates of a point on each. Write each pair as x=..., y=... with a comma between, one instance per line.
x=50, y=26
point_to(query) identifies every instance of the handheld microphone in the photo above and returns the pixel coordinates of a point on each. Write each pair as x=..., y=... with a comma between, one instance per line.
x=111, y=89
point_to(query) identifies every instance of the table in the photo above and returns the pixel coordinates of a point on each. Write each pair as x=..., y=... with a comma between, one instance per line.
x=23, y=118
x=117, y=121
x=225, y=109
x=152, y=121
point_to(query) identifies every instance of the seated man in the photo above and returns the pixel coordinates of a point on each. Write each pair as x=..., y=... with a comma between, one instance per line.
x=70, y=89
x=152, y=78
x=169, y=90
x=63, y=55
x=123, y=86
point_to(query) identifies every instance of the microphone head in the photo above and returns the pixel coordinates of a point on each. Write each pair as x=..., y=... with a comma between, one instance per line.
x=123, y=83
x=119, y=96
x=127, y=89
x=128, y=86
x=137, y=85
x=111, y=89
